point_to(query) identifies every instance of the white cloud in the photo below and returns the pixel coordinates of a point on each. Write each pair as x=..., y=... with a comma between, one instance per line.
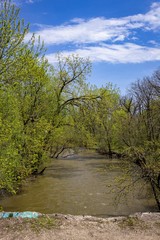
x=153, y=42
x=29, y=1
x=91, y=31
x=123, y=53
x=97, y=38
x=100, y=29
x=20, y=2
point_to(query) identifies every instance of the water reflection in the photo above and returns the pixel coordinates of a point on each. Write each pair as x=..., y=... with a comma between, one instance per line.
x=78, y=185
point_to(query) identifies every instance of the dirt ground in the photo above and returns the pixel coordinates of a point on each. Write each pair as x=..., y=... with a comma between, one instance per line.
x=145, y=226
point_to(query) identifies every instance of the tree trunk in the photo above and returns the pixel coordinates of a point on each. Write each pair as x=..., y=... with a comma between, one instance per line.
x=155, y=194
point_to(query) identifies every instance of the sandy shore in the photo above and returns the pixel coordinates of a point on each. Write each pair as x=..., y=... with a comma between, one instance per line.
x=145, y=226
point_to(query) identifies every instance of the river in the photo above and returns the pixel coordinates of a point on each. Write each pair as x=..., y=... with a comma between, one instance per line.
x=80, y=184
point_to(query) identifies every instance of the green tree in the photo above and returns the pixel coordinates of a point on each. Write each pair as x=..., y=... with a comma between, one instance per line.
x=140, y=132
x=23, y=84
x=12, y=170
x=100, y=119
x=70, y=93
x=12, y=34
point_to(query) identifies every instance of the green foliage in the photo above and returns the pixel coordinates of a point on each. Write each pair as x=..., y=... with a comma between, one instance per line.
x=99, y=118
x=13, y=31
x=140, y=131
x=22, y=79
x=132, y=223
x=44, y=222
x=37, y=101
x=46, y=109
x=10, y=141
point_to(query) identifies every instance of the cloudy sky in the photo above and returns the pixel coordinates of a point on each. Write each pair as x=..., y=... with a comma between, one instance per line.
x=121, y=37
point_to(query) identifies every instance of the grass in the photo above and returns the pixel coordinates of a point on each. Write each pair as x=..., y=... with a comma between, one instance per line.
x=132, y=223
x=157, y=224
x=35, y=224
x=44, y=222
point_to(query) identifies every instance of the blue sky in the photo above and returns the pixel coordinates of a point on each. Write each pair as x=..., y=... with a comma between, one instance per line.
x=121, y=37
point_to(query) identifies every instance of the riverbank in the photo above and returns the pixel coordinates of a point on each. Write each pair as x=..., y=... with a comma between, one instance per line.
x=144, y=226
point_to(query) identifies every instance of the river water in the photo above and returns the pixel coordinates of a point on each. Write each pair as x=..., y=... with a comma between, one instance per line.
x=81, y=184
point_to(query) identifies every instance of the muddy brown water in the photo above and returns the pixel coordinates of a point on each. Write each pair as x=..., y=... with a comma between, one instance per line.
x=82, y=184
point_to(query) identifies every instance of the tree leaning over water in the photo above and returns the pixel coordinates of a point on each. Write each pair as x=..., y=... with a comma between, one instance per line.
x=140, y=134
x=37, y=101
x=20, y=67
